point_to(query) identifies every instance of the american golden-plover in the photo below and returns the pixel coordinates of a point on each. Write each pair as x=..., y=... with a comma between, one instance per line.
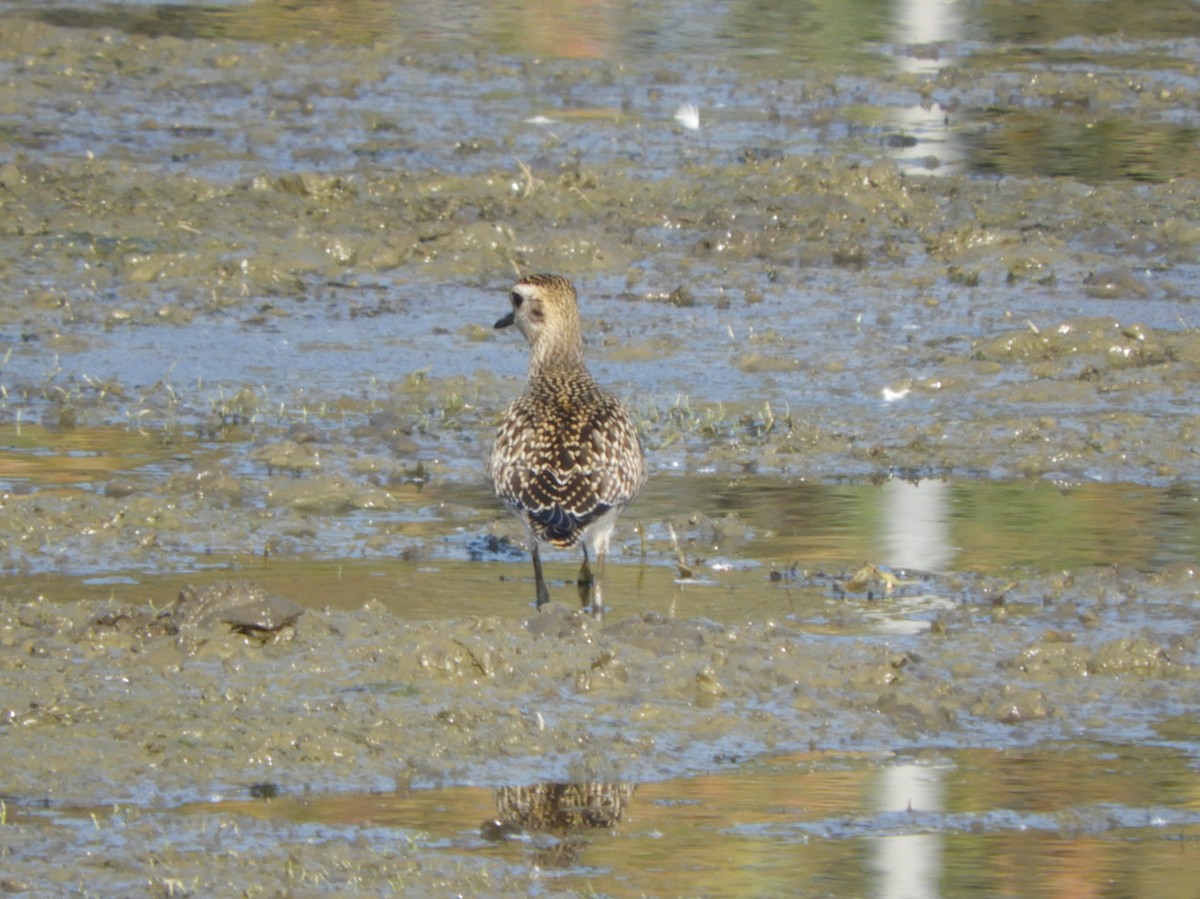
x=567, y=457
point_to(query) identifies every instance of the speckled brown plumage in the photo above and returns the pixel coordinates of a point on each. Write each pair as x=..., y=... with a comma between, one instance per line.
x=567, y=458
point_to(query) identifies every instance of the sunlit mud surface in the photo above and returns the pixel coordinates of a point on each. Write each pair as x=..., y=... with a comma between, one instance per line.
x=902, y=300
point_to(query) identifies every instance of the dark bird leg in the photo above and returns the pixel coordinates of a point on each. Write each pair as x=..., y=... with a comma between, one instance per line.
x=585, y=577
x=543, y=594
x=589, y=582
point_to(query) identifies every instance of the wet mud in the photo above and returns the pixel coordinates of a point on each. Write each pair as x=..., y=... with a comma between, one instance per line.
x=255, y=589
x=108, y=708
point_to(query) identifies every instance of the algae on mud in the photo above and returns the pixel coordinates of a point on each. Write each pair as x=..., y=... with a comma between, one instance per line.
x=137, y=724
x=357, y=700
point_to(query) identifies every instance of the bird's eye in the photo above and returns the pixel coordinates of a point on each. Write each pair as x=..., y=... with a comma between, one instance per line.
x=517, y=299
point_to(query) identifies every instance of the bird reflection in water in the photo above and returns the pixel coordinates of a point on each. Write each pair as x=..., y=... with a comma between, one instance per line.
x=552, y=816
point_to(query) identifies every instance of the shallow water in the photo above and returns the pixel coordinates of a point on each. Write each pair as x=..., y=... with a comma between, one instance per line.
x=725, y=548
x=907, y=607
x=1021, y=822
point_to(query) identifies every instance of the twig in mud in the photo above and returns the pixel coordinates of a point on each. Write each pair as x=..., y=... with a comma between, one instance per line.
x=531, y=182
x=484, y=669
x=685, y=570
